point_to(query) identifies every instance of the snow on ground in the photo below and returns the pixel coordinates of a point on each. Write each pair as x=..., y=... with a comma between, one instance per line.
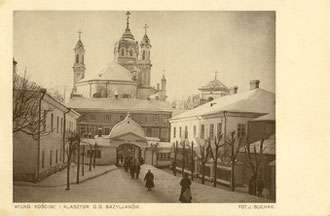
x=117, y=186
x=60, y=178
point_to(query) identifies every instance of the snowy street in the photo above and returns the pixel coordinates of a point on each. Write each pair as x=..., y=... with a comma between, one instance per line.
x=117, y=186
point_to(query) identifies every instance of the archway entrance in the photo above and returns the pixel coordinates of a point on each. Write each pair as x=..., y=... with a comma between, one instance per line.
x=127, y=150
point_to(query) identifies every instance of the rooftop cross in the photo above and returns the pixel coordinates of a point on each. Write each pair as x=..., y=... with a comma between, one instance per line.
x=127, y=14
x=145, y=28
x=79, y=32
x=216, y=72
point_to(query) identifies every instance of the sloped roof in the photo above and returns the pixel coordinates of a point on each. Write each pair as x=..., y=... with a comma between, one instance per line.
x=128, y=125
x=253, y=101
x=112, y=71
x=122, y=104
x=269, y=146
x=268, y=117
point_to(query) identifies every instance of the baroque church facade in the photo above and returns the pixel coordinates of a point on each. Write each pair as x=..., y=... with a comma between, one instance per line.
x=123, y=86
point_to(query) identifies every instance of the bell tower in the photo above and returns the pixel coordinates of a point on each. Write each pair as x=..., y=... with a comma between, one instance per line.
x=144, y=61
x=79, y=62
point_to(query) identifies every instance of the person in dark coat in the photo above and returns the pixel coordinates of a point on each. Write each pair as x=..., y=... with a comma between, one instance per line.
x=185, y=185
x=132, y=168
x=252, y=186
x=149, y=178
x=126, y=164
x=260, y=186
x=137, y=169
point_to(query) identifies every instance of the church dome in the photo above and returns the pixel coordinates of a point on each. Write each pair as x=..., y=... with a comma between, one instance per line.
x=128, y=125
x=214, y=85
x=112, y=71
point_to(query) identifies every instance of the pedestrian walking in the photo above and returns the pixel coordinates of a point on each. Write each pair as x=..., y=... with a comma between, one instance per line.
x=132, y=168
x=185, y=195
x=149, y=179
x=260, y=186
x=137, y=169
x=252, y=186
x=126, y=164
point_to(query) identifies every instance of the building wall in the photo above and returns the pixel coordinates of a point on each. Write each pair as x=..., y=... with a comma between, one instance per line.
x=24, y=157
x=144, y=93
x=153, y=123
x=260, y=129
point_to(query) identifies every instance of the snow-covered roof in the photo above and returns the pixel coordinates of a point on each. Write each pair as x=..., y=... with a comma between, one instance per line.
x=253, y=101
x=268, y=117
x=121, y=104
x=128, y=125
x=112, y=71
x=269, y=146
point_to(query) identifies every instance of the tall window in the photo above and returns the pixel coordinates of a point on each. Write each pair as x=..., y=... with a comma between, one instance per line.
x=143, y=119
x=52, y=122
x=155, y=132
x=107, y=118
x=44, y=121
x=57, y=124
x=211, y=130
x=219, y=128
x=185, y=132
x=131, y=53
x=82, y=58
x=122, y=52
x=93, y=117
x=241, y=130
x=83, y=117
x=155, y=119
x=195, y=131
x=180, y=133
x=56, y=157
x=61, y=125
x=51, y=157
x=202, y=131
x=143, y=55
x=43, y=159
x=165, y=119
x=174, y=132
x=107, y=131
x=77, y=58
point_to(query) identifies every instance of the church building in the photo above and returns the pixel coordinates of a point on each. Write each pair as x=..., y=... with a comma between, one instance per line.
x=120, y=111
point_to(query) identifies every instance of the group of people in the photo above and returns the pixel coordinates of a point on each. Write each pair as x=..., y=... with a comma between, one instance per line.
x=133, y=165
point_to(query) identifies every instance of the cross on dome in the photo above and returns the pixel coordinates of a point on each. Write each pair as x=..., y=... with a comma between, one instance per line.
x=128, y=15
x=145, y=28
x=215, y=73
x=80, y=32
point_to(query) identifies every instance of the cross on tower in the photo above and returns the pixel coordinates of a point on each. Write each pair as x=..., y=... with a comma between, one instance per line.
x=79, y=32
x=145, y=28
x=127, y=14
x=215, y=73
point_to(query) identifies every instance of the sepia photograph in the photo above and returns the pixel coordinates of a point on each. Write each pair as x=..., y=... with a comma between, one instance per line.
x=144, y=107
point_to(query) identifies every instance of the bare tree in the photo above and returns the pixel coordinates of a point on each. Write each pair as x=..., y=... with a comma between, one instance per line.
x=215, y=148
x=96, y=147
x=73, y=139
x=27, y=111
x=205, y=155
x=232, y=152
x=183, y=152
x=175, y=152
x=57, y=94
x=253, y=163
x=192, y=155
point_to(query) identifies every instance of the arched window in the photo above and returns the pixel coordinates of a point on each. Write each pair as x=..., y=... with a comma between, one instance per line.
x=77, y=58
x=143, y=55
x=122, y=52
x=131, y=53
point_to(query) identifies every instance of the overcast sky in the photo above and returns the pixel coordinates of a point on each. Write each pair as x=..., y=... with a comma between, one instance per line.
x=190, y=46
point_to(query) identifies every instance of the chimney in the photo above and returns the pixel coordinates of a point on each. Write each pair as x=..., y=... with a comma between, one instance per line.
x=157, y=86
x=254, y=84
x=233, y=90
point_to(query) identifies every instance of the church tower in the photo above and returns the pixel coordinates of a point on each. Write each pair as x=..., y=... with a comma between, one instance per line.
x=79, y=63
x=127, y=50
x=163, y=84
x=144, y=61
